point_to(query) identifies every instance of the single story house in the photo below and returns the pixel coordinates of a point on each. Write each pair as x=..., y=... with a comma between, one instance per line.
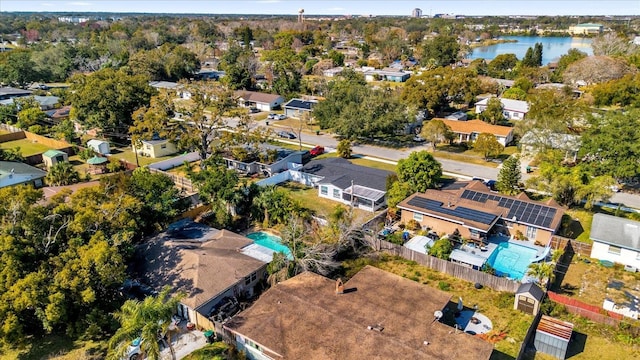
x=469, y=130
x=17, y=173
x=374, y=315
x=458, y=115
x=7, y=92
x=339, y=180
x=99, y=146
x=52, y=157
x=512, y=109
x=203, y=262
x=209, y=74
x=333, y=71
x=528, y=298
x=616, y=239
x=535, y=140
x=59, y=114
x=387, y=74
x=46, y=102
x=475, y=212
x=259, y=100
x=296, y=107
x=164, y=85
x=268, y=160
x=156, y=148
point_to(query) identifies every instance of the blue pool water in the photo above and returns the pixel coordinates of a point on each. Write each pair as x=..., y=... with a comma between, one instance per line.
x=511, y=260
x=269, y=241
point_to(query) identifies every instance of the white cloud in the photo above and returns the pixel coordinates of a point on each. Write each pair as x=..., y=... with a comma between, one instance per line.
x=47, y=4
x=79, y=3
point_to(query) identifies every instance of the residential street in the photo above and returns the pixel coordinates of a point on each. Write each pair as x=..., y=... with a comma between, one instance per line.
x=449, y=166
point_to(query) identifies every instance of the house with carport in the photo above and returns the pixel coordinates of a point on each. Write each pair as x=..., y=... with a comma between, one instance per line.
x=616, y=239
x=203, y=262
x=340, y=180
x=373, y=315
x=475, y=212
x=468, y=131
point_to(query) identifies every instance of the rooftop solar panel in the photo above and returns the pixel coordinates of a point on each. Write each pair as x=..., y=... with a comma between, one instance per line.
x=534, y=214
x=459, y=212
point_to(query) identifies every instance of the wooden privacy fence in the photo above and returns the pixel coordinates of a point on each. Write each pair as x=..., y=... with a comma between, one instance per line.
x=559, y=242
x=450, y=268
x=180, y=181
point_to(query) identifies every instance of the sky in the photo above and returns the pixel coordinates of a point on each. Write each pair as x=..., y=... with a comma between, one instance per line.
x=332, y=7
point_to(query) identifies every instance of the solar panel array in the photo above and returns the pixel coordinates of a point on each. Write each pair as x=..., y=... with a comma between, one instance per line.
x=460, y=211
x=526, y=212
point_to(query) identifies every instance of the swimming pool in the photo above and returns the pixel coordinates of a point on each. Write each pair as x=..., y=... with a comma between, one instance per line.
x=511, y=260
x=269, y=241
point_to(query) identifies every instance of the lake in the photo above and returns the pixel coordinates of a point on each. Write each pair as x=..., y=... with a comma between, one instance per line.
x=552, y=47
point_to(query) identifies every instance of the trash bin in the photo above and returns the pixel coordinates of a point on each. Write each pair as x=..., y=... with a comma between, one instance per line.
x=529, y=169
x=267, y=123
x=317, y=132
x=210, y=335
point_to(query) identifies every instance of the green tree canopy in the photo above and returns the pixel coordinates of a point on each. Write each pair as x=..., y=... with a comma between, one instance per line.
x=503, y=66
x=487, y=145
x=420, y=170
x=107, y=99
x=443, y=49
x=436, y=131
x=494, y=112
x=509, y=176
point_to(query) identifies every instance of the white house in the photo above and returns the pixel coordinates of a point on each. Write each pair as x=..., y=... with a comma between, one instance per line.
x=350, y=184
x=512, y=109
x=469, y=130
x=616, y=239
x=261, y=101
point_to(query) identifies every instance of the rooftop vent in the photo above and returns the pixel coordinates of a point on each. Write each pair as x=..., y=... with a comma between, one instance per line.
x=339, y=286
x=377, y=328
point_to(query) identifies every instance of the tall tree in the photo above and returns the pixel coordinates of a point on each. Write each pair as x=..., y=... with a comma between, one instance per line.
x=107, y=98
x=62, y=173
x=509, y=176
x=17, y=68
x=420, y=170
x=487, y=145
x=436, y=131
x=144, y=320
x=494, y=112
x=443, y=49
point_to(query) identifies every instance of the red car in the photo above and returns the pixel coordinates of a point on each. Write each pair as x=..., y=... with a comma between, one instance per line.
x=318, y=150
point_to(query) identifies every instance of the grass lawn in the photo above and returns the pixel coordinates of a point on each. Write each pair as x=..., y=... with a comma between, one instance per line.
x=128, y=155
x=215, y=351
x=58, y=348
x=577, y=221
x=309, y=198
x=27, y=147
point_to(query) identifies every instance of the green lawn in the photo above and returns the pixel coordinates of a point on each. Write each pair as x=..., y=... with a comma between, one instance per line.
x=56, y=347
x=128, y=155
x=309, y=198
x=215, y=351
x=27, y=147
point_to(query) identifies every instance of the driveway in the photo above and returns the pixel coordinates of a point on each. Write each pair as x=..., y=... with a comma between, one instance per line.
x=186, y=343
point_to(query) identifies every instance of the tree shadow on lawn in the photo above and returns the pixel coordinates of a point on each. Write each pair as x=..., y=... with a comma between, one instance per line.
x=56, y=345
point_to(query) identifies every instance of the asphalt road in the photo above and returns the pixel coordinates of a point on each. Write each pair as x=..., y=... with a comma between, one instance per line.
x=449, y=166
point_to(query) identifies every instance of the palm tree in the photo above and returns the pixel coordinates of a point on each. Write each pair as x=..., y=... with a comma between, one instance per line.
x=542, y=272
x=62, y=173
x=147, y=320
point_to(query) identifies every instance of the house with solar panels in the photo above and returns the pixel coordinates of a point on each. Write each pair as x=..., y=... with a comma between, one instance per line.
x=296, y=107
x=475, y=212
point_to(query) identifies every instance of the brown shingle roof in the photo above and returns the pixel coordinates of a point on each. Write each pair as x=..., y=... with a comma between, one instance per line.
x=202, y=269
x=476, y=126
x=258, y=97
x=453, y=199
x=303, y=318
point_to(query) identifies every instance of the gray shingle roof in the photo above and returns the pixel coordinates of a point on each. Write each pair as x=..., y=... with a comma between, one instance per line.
x=532, y=289
x=340, y=172
x=616, y=231
x=300, y=104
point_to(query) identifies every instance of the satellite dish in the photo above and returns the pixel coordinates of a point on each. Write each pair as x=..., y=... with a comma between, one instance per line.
x=437, y=314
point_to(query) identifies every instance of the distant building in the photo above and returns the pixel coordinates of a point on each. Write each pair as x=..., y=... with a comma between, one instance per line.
x=416, y=13
x=586, y=29
x=512, y=109
x=296, y=107
x=9, y=93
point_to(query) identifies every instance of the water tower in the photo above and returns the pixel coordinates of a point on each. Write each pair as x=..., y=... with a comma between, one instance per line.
x=301, y=15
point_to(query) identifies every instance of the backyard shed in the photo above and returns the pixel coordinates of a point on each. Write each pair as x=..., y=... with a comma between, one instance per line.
x=528, y=298
x=553, y=337
x=52, y=157
x=99, y=146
